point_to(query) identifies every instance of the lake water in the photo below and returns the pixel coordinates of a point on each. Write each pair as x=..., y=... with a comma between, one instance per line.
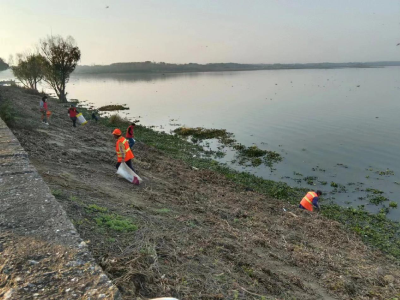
x=343, y=121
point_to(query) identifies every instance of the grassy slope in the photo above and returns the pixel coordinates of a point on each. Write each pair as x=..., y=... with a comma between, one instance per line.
x=206, y=224
x=375, y=229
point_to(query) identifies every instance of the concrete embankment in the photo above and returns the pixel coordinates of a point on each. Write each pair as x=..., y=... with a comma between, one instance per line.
x=41, y=254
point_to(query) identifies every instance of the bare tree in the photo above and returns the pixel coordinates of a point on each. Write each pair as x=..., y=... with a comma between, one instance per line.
x=29, y=69
x=62, y=56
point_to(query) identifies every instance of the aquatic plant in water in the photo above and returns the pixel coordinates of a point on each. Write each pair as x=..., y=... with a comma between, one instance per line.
x=112, y=108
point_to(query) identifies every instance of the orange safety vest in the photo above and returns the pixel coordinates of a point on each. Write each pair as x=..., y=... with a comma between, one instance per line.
x=306, y=202
x=128, y=152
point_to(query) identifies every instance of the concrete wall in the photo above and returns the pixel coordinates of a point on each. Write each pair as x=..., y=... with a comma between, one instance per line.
x=38, y=239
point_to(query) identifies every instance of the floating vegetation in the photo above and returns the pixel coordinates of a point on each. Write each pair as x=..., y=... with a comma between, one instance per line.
x=247, y=156
x=323, y=182
x=343, y=165
x=252, y=151
x=297, y=173
x=310, y=179
x=393, y=204
x=385, y=173
x=374, y=191
x=113, y=108
x=378, y=199
x=317, y=168
x=271, y=158
x=338, y=188
x=201, y=133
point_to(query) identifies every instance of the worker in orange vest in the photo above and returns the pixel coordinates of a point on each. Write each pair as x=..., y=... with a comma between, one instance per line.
x=310, y=200
x=123, y=150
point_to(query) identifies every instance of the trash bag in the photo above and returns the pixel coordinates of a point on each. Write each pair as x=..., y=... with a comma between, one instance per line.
x=127, y=173
x=81, y=119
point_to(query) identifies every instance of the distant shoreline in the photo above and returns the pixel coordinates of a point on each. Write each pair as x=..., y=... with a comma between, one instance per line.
x=164, y=68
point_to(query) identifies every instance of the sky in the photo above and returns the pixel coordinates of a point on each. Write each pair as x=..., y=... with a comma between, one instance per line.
x=208, y=31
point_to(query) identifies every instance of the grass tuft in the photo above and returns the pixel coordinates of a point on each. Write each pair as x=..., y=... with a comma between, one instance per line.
x=116, y=222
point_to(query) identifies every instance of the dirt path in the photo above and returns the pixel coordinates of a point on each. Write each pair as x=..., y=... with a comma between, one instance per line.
x=198, y=235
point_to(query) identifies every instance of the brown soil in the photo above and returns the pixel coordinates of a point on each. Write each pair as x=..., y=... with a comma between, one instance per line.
x=200, y=236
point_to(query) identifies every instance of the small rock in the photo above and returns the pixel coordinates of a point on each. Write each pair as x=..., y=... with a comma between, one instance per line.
x=103, y=279
x=101, y=296
x=36, y=295
x=379, y=271
x=18, y=279
x=33, y=262
x=388, y=279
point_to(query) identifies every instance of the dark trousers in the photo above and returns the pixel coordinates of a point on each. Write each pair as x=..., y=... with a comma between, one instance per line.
x=128, y=163
x=131, y=142
x=73, y=121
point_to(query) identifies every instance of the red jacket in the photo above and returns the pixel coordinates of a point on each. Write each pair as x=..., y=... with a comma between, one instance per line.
x=72, y=112
x=129, y=132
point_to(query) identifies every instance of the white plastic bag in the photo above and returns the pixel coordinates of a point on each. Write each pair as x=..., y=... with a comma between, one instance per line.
x=127, y=173
x=81, y=119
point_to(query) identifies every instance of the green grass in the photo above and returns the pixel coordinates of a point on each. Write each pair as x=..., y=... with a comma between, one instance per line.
x=116, y=222
x=57, y=193
x=96, y=208
x=73, y=198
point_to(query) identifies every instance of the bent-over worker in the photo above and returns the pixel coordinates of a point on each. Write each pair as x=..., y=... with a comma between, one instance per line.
x=123, y=150
x=310, y=200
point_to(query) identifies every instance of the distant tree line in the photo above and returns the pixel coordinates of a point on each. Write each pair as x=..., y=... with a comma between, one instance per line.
x=3, y=65
x=162, y=67
x=53, y=62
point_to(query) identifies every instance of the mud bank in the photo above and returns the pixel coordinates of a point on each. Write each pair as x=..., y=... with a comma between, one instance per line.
x=193, y=230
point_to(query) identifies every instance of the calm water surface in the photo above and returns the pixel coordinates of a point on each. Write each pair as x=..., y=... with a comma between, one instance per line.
x=343, y=121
